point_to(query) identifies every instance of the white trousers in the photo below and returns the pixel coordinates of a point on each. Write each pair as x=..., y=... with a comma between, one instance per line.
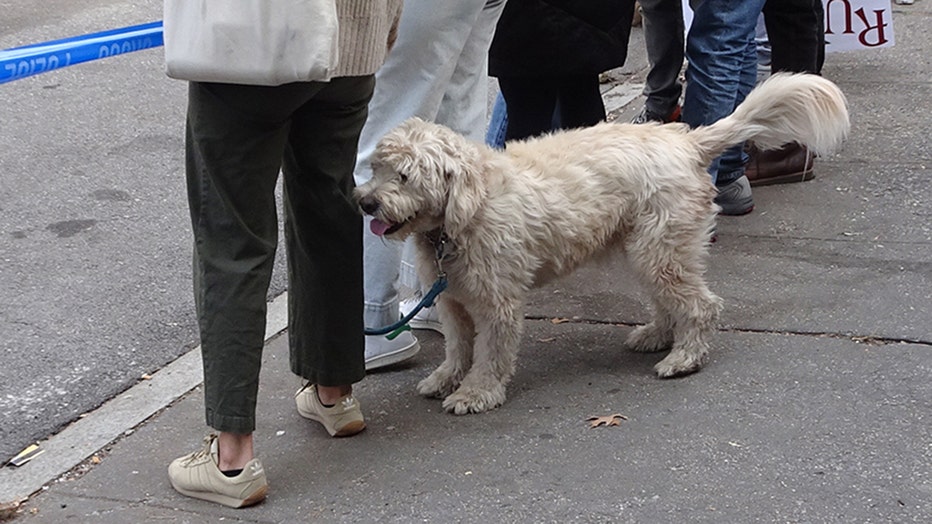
x=437, y=71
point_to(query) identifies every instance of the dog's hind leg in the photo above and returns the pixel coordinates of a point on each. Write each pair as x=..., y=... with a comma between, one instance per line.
x=494, y=356
x=697, y=310
x=686, y=310
x=656, y=335
x=459, y=334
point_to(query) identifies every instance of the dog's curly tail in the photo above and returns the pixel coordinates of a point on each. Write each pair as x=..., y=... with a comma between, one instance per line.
x=785, y=108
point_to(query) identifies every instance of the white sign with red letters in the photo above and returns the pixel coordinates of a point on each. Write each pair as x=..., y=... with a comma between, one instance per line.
x=850, y=25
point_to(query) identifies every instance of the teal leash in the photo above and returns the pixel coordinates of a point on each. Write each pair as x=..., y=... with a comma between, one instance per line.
x=393, y=330
x=401, y=326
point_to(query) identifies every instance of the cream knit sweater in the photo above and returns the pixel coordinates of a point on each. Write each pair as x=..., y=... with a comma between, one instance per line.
x=367, y=31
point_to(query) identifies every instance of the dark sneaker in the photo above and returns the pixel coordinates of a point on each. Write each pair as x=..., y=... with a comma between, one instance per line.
x=791, y=163
x=649, y=116
x=735, y=197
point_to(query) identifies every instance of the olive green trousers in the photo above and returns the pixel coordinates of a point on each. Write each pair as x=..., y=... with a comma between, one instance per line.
x=238, y=139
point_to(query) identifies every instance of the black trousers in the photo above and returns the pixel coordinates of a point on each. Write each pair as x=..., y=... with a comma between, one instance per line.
x=796, y=30
x=537, y=104
x=238, y=139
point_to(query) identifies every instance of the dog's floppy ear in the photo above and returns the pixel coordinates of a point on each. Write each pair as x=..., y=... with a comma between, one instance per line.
x=466, y=190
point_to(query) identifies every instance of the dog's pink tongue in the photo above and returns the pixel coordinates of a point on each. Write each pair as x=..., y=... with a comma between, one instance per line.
x=378, y=227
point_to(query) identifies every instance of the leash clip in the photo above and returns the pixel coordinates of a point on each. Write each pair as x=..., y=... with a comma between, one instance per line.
x=439, y=247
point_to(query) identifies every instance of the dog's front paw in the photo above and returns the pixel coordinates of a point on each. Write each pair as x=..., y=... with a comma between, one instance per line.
x=649, y=339
x=474, y=400
x=679, y=363
x=439, y=384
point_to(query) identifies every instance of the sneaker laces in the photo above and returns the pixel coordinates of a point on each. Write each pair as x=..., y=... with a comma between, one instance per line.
x=647, y=115
x=642, y=117
x=203, y=452
x=303, y=388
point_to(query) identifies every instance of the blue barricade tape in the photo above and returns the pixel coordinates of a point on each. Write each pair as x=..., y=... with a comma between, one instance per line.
x=21, y=62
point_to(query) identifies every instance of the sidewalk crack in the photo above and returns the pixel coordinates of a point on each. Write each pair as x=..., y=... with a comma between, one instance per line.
x=872, y=340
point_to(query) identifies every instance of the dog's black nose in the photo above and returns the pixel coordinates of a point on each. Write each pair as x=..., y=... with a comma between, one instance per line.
x=369, y=205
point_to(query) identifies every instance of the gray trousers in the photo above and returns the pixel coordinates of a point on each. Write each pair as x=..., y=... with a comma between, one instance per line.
x=238, y=138
x=665, y=40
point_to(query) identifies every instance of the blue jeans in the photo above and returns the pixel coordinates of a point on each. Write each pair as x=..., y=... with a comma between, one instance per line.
x=722, y=70
x=498, y=124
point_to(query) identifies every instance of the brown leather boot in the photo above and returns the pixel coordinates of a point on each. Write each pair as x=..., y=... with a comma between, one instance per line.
x=791, y=163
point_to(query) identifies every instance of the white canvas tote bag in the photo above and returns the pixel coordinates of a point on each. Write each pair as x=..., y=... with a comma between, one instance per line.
x=256, y=42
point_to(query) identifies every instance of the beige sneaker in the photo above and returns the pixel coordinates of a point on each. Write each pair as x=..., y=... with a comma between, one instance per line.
x=341, y=420
x=198, y=475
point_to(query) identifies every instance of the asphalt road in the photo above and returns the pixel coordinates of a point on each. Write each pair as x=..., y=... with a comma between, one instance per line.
x=95, y=245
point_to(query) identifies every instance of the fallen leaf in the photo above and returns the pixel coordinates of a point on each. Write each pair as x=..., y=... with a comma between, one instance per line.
x=609, y=420
x=95, y=460
x=146, y=376
x=550, y=339
x=559, y=320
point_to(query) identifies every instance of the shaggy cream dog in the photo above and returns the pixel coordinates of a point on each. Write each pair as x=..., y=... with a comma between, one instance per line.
x=500, y=223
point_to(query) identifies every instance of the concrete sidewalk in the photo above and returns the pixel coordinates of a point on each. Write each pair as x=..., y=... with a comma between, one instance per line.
x=816, y=404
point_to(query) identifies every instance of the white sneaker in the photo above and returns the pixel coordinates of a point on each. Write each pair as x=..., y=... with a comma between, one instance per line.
x=426, y=318
x=380, y=351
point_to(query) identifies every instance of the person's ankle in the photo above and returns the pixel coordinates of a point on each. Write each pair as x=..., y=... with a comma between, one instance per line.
x=234, y=450
x=330, y=395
